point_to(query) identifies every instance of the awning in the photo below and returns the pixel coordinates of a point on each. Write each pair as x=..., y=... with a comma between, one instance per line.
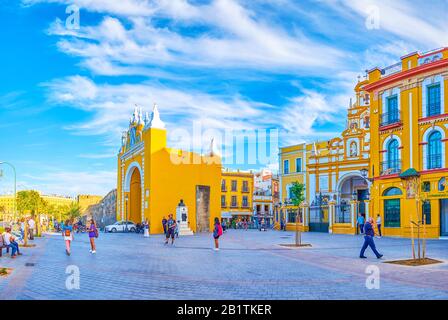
x=241, y=213
x=226, y=215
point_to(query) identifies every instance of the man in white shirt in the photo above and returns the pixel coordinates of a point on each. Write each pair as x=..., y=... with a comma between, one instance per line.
x=10, y=242
x=31, y=226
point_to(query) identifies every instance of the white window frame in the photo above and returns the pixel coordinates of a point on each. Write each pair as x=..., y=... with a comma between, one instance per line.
x=429, y=81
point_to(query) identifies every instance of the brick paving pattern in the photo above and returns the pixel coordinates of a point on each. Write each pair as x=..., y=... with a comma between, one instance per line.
x=250, y=265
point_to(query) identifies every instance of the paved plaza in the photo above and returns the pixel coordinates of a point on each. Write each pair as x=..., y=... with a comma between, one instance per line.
x=250, y=265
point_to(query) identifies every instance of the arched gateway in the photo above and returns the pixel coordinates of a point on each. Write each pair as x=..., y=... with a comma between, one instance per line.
x=152, y=178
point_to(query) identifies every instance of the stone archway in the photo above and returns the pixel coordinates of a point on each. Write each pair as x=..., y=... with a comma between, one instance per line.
x=135, y=197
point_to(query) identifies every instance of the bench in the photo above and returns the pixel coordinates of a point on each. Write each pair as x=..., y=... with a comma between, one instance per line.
x=3, y=245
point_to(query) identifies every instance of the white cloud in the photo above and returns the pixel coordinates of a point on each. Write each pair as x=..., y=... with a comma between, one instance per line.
x=72, y=183
x=230, y=36
x=424, y=23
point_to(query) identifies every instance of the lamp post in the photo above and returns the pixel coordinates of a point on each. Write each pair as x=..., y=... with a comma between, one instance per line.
x=15, y=186
x=126, y=209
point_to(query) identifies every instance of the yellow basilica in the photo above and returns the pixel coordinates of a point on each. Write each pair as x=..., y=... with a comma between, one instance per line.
x=154, y=179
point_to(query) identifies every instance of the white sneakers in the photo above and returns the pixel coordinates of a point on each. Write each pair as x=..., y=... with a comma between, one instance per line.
x=216, y=249
x=92, y=251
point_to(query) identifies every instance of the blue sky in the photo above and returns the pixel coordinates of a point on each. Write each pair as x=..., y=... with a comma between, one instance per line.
x=66, y=95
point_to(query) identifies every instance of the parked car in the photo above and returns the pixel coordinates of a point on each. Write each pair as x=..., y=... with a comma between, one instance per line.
x=120, y=226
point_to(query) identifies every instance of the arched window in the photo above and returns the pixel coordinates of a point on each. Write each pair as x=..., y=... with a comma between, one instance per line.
x=393, y=159
x=435, y=150
x=442, y=183
x=392, y=192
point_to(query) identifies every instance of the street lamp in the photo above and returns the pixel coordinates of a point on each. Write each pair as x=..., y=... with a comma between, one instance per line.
x=15, y=186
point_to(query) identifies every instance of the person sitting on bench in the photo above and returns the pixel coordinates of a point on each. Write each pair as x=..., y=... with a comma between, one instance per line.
x=11, y=243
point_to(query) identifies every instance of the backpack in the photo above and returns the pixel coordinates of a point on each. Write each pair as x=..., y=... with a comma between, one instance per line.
x=219, y=230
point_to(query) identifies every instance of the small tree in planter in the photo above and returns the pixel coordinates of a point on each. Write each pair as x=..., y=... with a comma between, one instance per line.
x=297, y=192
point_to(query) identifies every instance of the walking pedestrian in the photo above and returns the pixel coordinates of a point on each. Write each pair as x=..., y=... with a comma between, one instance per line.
x=368, y=240
x=378, y=225
x=146, y=228
x=217, y=232
x=164, y=221
x=93, y=233
x=67, y=233
x=171, y=227
x=360, y=223
x=31, y=226
x=176, y=230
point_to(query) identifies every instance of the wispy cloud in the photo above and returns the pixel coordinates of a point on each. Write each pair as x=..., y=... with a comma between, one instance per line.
x=72, y=183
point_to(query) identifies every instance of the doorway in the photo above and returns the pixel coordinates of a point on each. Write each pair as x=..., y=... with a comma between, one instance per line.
x=444, y=217
x=202, y=208
x=135, y=208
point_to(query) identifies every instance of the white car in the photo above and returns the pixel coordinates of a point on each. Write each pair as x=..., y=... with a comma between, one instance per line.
x=120, y=226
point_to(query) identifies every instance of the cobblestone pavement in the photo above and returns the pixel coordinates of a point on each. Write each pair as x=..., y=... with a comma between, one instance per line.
x=250, y=265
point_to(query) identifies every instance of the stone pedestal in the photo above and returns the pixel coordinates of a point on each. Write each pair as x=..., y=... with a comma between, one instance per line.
x=182, y=216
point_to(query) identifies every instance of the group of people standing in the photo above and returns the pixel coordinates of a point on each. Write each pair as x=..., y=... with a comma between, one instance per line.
x=68, y=235
x=171, y=230
x=361, y=223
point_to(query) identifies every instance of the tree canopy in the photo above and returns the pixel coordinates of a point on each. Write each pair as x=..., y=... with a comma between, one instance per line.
x=297, y=193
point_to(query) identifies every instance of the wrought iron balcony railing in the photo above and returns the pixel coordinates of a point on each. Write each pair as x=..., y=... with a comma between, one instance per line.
x=390, y=118
x=434, y=161
x=390, y=167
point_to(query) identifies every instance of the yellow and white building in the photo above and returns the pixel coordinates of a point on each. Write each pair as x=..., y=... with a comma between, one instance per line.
x=330, y=171
x=236, y=194
x=398, y=124
x=153, y=178
x=7, y=202
x=409, y=131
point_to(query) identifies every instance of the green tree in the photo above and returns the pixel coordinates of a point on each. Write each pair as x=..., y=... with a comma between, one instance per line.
x=297, y=193
x=73, y=211
x=29, y=201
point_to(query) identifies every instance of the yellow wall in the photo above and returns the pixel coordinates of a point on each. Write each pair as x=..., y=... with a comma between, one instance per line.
x=86, y=200
x=292, y=153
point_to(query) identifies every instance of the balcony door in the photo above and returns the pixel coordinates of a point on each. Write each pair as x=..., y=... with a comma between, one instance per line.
x=435, y=150
x=392, y=109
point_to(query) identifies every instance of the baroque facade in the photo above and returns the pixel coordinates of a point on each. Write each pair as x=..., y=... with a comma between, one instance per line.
x=398, y=124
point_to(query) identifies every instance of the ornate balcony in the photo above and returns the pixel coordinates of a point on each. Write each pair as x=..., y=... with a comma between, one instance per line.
x=434, y=161
x=390, y=118
x=390, y=167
